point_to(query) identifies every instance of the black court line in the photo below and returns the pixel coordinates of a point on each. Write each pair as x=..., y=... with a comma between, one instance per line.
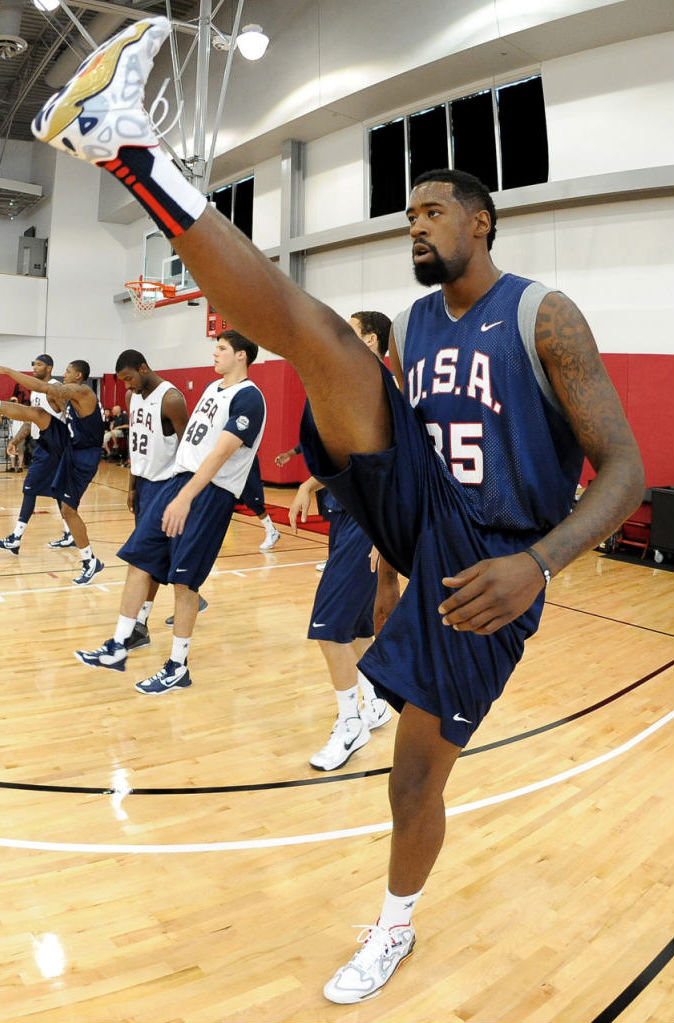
x=639, y=984
x=330, y=778
x=606, y=618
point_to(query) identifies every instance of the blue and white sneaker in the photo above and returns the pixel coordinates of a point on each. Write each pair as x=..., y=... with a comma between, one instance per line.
x=171, y=676
x=100, y=109
x=12, y=544
x=67, y=540
x=111, y=655
x=383, y=951
x=90, y=568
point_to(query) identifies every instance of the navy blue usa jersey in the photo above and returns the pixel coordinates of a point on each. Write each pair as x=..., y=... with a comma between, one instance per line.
x=85, y=431
x=479, y=387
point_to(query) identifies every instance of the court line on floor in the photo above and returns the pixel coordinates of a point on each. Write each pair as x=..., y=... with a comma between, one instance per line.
x=330, y=836
x=120, y=582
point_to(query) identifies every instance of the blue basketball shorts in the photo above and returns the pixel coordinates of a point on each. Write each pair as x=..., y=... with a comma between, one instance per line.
x=144, y=495
x=414, y=512
x=41, y=473
x=186, y=559
x=76, y=469
x=252, y=494
x=345, y=596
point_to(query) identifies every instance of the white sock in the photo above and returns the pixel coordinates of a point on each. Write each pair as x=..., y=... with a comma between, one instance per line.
x=366, y=688
x=144, y=613
x=86, y=553
x=268, y=524
x=347, y=703
x=19, y=528
x=124, y=628
x=66, y=527
x=180, y=649
x=397, y=909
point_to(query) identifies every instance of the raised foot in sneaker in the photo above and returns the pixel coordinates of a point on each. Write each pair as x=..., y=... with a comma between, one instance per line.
x=270, y=540
x=67, y=540
x=11, y=543
x=203, y=604
x=346, y=737
x=111, y=655
x=373, y=965
x=90, y=568
x=171, y=676
x=101, y=108
x=139, y=637
x=375, y=713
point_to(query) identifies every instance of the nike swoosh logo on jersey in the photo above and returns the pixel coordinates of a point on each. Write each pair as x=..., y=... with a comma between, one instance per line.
x=318, y=625
x=457, y=717
x=181, y=569
x=490, y=326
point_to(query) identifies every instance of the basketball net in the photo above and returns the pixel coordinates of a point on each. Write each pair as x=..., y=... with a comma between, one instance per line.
x=146, y=294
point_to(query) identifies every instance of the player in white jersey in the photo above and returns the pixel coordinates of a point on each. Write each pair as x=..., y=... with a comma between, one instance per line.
x=157, y=420
x=43, y=465
x=180, y=534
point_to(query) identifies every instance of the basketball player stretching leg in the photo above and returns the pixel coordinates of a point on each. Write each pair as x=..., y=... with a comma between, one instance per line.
x=506, y=378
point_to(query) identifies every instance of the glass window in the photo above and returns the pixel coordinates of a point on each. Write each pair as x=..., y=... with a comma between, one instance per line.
x=524, y=135
x=388, y=188
x=473, y=140
x=428, y=141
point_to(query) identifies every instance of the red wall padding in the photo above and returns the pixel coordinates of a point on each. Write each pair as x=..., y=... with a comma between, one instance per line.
x=645, y=385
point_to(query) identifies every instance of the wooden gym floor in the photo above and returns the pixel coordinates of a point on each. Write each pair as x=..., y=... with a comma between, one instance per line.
x=176, y=859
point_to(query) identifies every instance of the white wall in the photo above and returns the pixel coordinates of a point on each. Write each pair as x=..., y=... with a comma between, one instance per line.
x=267, y=204
x=611, y=108
x=334, y=180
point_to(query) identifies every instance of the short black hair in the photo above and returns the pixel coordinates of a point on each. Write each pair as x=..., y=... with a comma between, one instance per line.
x=469, y=191
x=372, y=322
x=82, y=367
x=240, y=344
x=130, y=359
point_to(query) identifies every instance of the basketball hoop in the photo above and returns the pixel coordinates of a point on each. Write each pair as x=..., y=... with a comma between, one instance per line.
x=146, y=294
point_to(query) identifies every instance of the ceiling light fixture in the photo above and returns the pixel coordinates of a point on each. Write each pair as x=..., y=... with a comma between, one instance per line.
x=46, y=5
x=252, y=42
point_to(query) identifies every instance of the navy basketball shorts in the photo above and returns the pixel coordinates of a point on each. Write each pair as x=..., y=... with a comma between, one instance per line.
x=77, y=468
x=144, y=495
x=345, y=596
x=41, y=473
x=187, y=559
x=414, y=512
x=252, y=494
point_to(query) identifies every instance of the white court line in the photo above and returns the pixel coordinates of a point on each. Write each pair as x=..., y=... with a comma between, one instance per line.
x=329, y=836
x=120, y=582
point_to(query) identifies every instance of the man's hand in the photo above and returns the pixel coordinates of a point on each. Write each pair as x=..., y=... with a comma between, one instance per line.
x=491, y=593
x=300, y=505
x=11, y=449
x=387, y=596
x=175, y=515
x=283, y=457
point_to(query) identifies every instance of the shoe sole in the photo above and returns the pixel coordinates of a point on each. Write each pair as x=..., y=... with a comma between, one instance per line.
x=336, y=767
x=373, y=994
x=119, y=666
x=160, y=692
x=90, y=81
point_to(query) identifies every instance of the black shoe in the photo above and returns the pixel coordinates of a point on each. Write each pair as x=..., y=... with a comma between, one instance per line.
x=138, y=638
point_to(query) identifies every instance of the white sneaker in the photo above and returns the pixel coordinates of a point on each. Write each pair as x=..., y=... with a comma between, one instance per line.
x=270, y=540
x=320, y=565
x=101, y=108
x=373, y=965
x=346, y=737
x=375, y=713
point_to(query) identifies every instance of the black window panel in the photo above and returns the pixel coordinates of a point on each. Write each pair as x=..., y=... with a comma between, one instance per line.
x=387, y=169
x=223, y=201
x=243, y=206
x=428, y=141
x=524, y=135
x=473, y=141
